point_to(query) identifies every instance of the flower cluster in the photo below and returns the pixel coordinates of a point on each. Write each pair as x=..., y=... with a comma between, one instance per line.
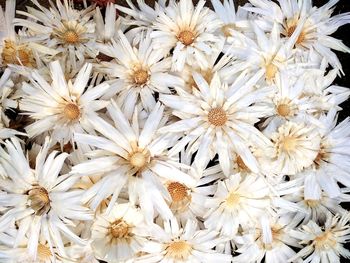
x=172, y=133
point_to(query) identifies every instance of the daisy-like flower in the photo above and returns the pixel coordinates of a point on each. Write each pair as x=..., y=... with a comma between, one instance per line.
x=267, y=52
x=237, y=202
x=180, y=245
x=219, y=62
x=187, y=202
x=311, y=25
x=46, y=252
x=120, y=234
x=188, y=30
x=231, y=20
x=324, y=243
x=132, y=157
x=61, y=30
x=331, y=164
x=217, y=119
x=289, y=101
x=142, y=14
x=320, y=87
x=12, y=49
x=60, y=107
x=105, y=25
x=303, y=209
x=41, y=200
x=137, y=72
x=295, y=147
x=270, y=240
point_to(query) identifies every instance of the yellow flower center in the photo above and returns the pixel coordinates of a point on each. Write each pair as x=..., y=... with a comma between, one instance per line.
x=120, y=229
x=325, y=241
x=177, y=191
x=270, y=71
x=312, y=203
x=179, y=250
x=17, y=55
x=227, y=29
x=232, y=200
x=217, y=116
x=39, y=200
x=289, y=144
x=283, y=110
x=186, y=37
x=141, y=76
x=71, y=37
x=44, y=252
x=241, y=165
x=71, y=111
x=290, y=31
x=138, y=159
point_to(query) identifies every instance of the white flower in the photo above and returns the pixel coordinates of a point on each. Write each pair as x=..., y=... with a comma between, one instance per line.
x=303, y=209
x=311, y=26
x=142, y=14
x=107, y=25
x=225, y=65
x=296, y=146
x=237, y=202
x=61, y=108
x=41, y=200
x=136, y=73
x=324, y=244
x=217, y=119
x=232, y=21
x=132, y=157
x=61, y=30
x=187, y=202
x=19, y=254
x=188, y=30
x=290, y=101
x=270, y=240
x=120, y=234
x=331, y=164
x=180, y=245
x=12, y=49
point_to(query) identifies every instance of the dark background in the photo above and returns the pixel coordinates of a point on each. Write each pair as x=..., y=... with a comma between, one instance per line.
x=343, y=33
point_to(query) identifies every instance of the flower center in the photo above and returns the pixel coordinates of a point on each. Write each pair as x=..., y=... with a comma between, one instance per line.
x=71, y=37
x=232, y=200
x=217, y=116
x=312, y=203
x=44, y=252
x=71, y=111
x=39, y=200
x=140, y=76
x=17, y=55
x=227, y=29
x=138, y=159
x=289, y=143
x=290, y=31
x=283, y=110
x=325, y=241
x=241, y=165
x=186, y=37
x=120, y=229
x=270, y=71
x=179, y=250
x=177, y=191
